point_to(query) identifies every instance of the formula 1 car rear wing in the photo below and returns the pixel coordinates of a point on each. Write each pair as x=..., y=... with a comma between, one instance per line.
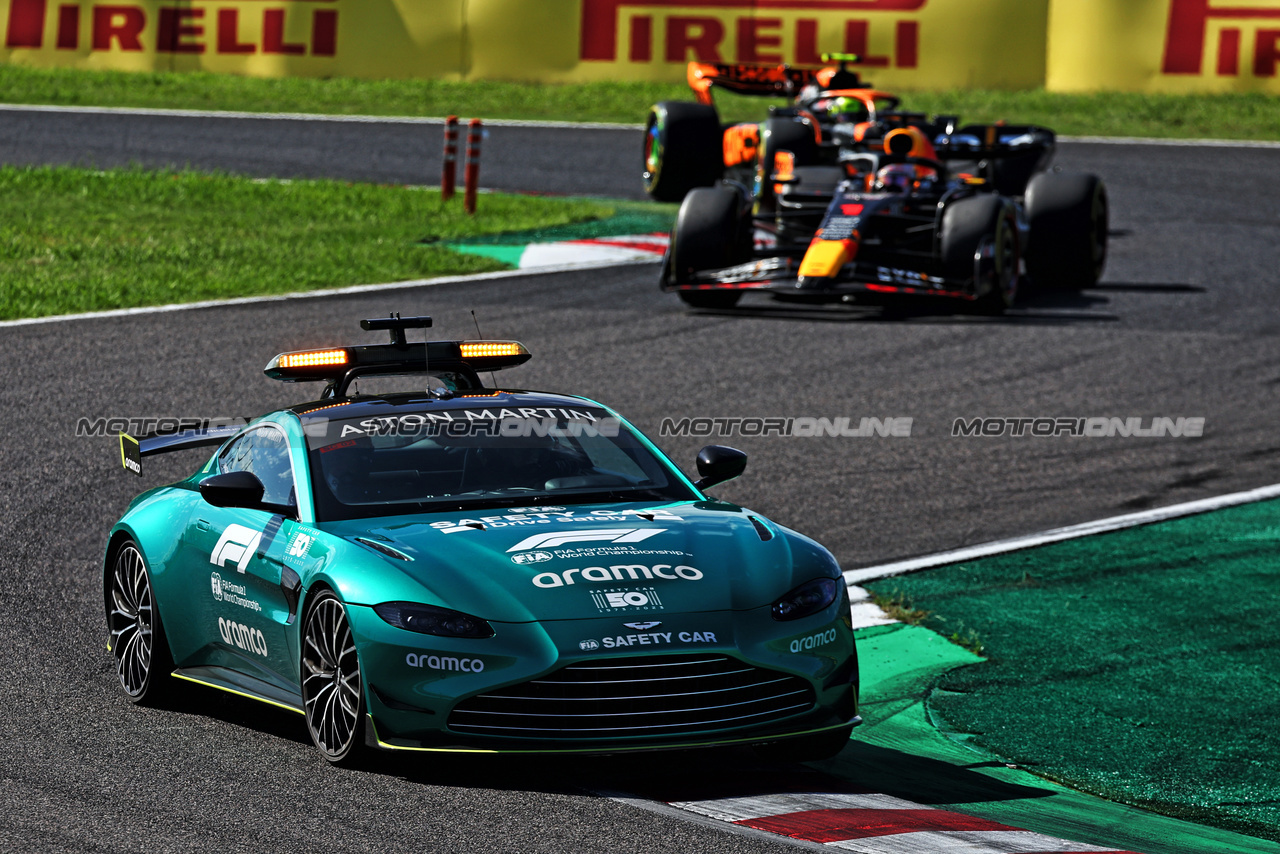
x=775, y=81
x=973, y=142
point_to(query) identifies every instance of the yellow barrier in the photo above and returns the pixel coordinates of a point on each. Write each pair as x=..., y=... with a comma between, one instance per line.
x=1068, y=45
x=906, y=43
x=266, y=38
x=1164, y=45
x=926, y=44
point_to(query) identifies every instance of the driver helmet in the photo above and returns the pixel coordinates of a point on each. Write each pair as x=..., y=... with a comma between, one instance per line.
x=896, y=178
x=845, y=106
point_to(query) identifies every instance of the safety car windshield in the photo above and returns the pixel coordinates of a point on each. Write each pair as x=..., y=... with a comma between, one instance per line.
x=434, y=459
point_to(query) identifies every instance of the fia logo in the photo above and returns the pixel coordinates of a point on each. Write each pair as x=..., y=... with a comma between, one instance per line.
x=217, y=586
x=525, y=558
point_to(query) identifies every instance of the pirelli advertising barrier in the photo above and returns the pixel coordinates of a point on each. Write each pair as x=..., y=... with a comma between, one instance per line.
x=1149, y=45
x=1164, y=45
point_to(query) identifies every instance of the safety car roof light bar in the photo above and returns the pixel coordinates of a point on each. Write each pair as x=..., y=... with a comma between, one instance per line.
x=338, y=366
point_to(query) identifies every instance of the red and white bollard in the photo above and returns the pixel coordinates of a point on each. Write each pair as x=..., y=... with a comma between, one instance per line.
x=471, y=169
x=448, y=178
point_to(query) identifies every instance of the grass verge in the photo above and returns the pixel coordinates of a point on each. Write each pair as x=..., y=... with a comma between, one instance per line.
x=1234, y=116
x=1138, y=665
x=74, y=240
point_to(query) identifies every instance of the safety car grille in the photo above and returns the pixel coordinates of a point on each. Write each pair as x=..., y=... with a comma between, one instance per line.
x=632, y=697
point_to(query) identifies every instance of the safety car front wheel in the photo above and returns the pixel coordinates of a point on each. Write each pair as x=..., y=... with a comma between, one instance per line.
x=332, y=689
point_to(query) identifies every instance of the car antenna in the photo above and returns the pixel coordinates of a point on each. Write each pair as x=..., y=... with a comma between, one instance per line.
x=492, y=379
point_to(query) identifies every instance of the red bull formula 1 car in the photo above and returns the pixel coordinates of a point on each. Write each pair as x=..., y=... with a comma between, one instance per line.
x=844, y=198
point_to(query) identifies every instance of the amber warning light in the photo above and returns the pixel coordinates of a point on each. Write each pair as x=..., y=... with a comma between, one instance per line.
x=489, y=349
x=338, y=366
x=312, y=358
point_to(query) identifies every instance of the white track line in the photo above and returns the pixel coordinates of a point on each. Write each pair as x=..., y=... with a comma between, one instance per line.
x=522, y=123
x=307, y=117
x=1071, y=532
x=330, y=292
x=1138, y=140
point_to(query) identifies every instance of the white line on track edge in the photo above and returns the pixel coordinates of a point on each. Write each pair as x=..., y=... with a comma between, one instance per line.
x=528, y=123
x=330, y=292
x=308, y=117
x=1085, y=529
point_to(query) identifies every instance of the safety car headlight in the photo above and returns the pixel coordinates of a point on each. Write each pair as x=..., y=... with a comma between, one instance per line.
x=431, y=620
x=809, y=598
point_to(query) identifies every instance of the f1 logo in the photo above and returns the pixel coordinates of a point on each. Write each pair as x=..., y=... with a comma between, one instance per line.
x=611, y=535
x=236, y=544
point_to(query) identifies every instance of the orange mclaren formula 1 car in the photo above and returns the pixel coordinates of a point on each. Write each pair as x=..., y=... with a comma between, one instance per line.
x=845, y=198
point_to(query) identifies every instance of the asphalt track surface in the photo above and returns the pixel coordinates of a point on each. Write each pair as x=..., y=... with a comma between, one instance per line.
x=1184, y=324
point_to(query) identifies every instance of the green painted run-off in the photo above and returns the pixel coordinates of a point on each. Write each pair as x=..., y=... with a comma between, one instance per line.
x=1142, y=665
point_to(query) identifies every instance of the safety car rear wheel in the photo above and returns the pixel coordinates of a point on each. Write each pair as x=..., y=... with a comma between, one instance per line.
x=712, y=231
x=1068, y=215
x=332, y=689
x=143, y=661
x=980, y=242
x=683, y=149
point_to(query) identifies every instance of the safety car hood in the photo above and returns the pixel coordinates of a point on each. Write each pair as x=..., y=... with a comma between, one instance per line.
x=579, y=562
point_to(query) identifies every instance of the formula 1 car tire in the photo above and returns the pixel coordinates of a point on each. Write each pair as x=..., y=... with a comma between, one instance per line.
x=782, y=134
x=1068, y=217
x=966, y=226
x=683, y=149
x=711, y=231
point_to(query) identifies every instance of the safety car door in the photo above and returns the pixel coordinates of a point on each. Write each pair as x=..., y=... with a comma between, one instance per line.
x=249, y=583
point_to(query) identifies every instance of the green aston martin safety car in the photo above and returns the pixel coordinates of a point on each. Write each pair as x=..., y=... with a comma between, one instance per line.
x=472, y=569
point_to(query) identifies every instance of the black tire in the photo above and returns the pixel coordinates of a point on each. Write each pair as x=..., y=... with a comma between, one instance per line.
x=966, y=225
x=332, y=688
x=1069, y=218
x=683, y=149
x=806, y=748
x=143, y=660
x=782, y=134
x=712, y=230
x=1010, y=174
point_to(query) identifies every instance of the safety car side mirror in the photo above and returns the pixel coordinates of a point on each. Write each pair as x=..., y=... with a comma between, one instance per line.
x=240, y=489
x=718, y=463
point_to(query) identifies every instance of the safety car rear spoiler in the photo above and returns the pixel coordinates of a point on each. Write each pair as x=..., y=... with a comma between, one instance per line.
x=132, y=450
